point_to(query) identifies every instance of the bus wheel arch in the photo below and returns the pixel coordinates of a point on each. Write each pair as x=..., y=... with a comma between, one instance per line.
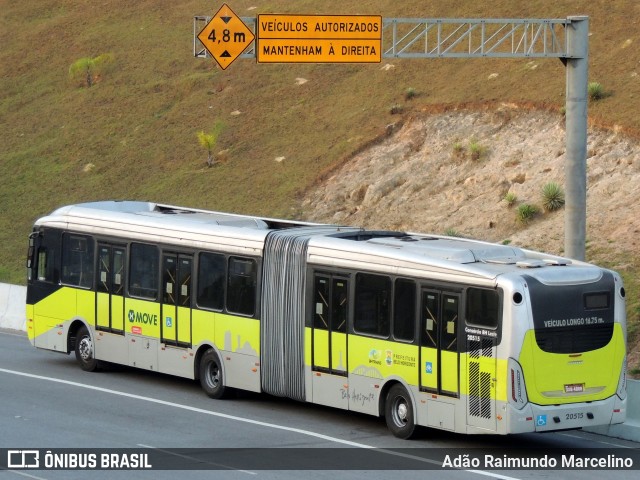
x=72, y=334
x=211, y=374
x=399, y=410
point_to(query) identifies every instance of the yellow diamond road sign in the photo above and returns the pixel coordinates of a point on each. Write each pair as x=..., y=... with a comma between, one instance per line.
x=226, y=36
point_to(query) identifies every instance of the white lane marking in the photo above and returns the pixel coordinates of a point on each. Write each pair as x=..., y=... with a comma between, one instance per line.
x=598, y=441
x=226, y=467
x=244, y=420
x=189, y=408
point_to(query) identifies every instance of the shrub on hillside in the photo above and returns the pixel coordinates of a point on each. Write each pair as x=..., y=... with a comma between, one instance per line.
x=87, y=71
x=552, y=197
x=526, y=212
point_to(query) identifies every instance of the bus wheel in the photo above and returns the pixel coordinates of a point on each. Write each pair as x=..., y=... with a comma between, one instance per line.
x=84, y=350
x=398, y=411
x=211, y=375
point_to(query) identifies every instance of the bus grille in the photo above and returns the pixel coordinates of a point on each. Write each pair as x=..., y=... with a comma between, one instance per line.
x=480, y=404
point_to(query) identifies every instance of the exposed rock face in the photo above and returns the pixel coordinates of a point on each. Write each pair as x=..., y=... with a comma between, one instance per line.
x=424, y=178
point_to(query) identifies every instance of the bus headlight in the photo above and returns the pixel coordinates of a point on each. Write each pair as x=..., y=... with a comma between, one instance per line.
x=518, y=392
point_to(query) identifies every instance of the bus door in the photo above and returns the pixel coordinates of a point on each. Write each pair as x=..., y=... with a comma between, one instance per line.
x=329, y=340
x=109, y=297
x=439, y=366
x=176, y=299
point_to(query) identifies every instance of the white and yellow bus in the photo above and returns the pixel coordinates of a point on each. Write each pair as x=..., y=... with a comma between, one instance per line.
x=449, y=333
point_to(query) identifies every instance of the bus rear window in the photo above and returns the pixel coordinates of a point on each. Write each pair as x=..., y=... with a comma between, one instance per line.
x=572, y=318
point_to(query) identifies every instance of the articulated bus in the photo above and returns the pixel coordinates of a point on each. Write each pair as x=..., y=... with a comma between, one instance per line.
x=423, y=330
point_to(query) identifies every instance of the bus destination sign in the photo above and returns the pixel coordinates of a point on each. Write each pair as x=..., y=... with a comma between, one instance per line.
x=319, y=38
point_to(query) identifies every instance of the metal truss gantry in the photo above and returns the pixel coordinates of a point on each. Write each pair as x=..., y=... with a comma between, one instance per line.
x=566, y=39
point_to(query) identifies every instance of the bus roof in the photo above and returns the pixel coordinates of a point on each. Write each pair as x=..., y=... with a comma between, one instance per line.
x=410, y=253
x=330, y=245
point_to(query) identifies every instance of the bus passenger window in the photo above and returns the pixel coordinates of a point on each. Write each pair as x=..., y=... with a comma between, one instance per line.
x=373, y=293
x=483, y=307
x=241, y=286
x=211, y=276
x=143, y=273
x=77, y=260
x=404, y=310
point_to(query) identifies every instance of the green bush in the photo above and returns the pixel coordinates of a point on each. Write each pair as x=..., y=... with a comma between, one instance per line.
x=476, y=150
x=595, y=91
x=458, y=149
x=410, y=94
x=552, y=197
x=510, y=199
x=526, y=212
x=87, y=71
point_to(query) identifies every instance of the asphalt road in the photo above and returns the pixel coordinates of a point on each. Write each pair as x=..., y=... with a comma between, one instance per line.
x=47, y=402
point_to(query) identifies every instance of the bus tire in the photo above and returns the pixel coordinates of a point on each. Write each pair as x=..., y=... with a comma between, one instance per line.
x=398, y=412
x=85, y=353
x=211, y=378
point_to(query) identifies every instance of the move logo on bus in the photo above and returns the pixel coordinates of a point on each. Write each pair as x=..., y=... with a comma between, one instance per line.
x=143, y=317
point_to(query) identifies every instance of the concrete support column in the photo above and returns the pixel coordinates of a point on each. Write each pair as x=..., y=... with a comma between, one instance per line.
x=577, y=68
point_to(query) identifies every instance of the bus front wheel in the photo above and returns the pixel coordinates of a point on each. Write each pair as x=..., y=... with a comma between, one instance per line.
x=211, y=378
x=398, y=410
x=85, y=354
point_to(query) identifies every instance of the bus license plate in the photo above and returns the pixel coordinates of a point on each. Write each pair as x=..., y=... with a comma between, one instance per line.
x=574, y=388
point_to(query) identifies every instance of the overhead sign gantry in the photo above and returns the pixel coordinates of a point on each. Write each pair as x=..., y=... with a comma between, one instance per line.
x=420, y=38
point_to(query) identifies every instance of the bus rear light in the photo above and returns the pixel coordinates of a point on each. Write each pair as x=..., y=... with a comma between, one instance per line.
x=616, y=410
x=621, y=391
x=518, y=390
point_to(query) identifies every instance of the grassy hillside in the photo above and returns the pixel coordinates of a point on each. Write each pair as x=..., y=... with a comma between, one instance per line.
x=133, y=134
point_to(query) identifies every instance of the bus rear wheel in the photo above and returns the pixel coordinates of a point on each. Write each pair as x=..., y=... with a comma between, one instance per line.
x=85, y=354
x=398, y=412
x=211, y=378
